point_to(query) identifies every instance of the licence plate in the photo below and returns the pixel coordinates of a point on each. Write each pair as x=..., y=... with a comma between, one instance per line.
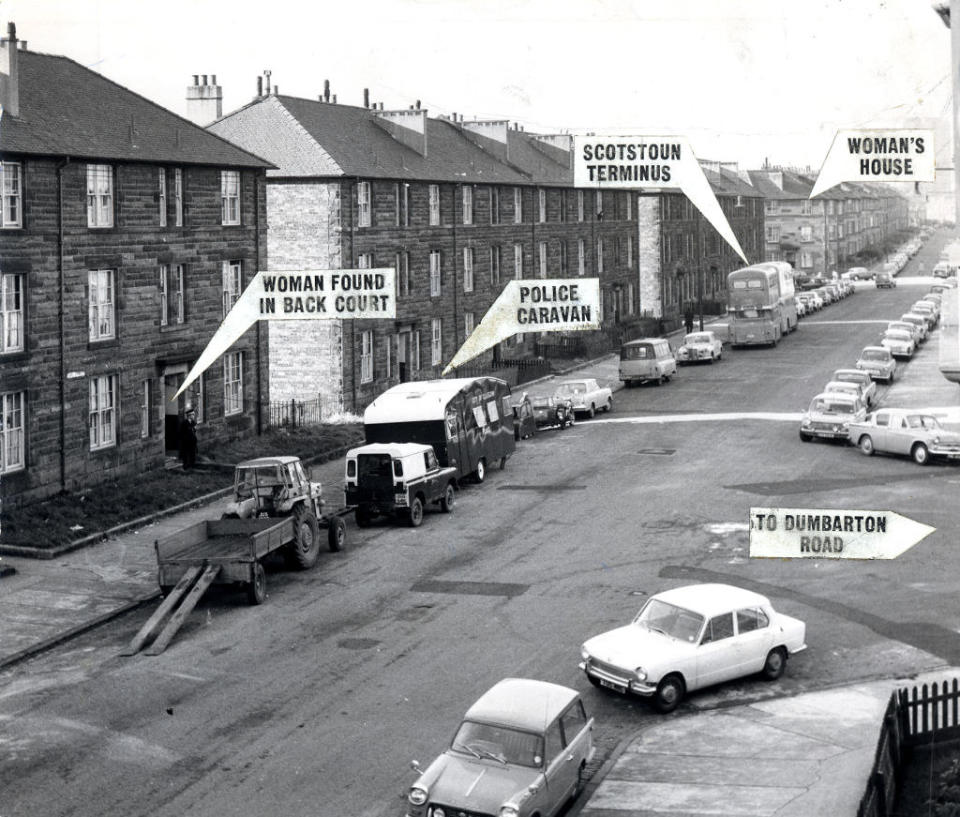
x=611, y=685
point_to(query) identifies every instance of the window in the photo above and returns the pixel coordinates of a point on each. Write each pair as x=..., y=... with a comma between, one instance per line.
x=574, y=720
x=402, y=265
x=542, y=250
x=468, y=324
x=101, y=304
x=468, y=269
x=518, y=260
x=718, y=628
x=145, y=410
x=11, y=313
x=434, y=192
x=580, y=206
x=752, y=619
x=436, y=344
x=830, y=207
x=363, y=204
x=563, y=205
x=196, y=399
x=365, y=260
x=553, y=743
x=494, y=205
x=468, y=205
x=401, y=197
x=630, y=304
x=366, y=357
x=495, y=266
x=629, y=249
x=806, y=207
x=162, y=195
x=581, y=256
x=99, y=196
x=230, y=196
x=232, y=284
x=178, y=197
x=541, y=205
x=806, y=233
x=773, y=234
x=12, y=434
x=628, y=198
x=517, y=205
x=232, y=383
x=416, y=350
x=103, y=412
x=10, y=189
x=564, y=261
x=772, y=206
x=599, y=256
x=435, y=274
x=806, y=260
x=171, y=294
x=599, y=202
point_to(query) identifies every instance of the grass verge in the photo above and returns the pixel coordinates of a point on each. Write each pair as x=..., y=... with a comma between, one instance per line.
x=70, y=516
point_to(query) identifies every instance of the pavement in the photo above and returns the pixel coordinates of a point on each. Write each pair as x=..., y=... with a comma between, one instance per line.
x=790, y=757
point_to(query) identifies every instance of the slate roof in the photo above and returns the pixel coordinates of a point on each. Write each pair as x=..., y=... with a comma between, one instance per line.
x=727, y=183
x=304, y=137
x=69, y=110
x=794, y=185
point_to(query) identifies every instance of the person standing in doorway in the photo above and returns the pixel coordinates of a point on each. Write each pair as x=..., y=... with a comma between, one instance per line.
x=688, y=318
x=188, y=439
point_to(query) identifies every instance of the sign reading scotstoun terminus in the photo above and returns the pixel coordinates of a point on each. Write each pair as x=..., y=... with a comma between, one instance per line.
x=798, y=533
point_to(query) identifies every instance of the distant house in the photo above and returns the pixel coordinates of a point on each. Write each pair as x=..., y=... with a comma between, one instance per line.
x=126, y=234
x=456, y=207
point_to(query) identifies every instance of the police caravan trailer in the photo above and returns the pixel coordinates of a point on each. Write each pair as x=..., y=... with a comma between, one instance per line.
x=468, y=421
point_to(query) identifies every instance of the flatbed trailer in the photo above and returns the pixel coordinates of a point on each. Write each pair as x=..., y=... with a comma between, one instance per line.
x=220, y=551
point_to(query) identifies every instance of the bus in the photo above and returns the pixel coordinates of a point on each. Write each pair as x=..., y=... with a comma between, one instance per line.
x=761, y=303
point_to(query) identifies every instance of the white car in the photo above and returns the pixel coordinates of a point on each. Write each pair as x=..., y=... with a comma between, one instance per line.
x=916, y=320
x=587, y=396
x=846, y=387
x=700, y=346
x=899, y=342
x=861, y=377
x=693, y=637
x=830, y=415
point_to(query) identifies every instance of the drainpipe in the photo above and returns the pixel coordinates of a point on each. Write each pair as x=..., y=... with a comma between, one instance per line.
x=61, y=293
x=456, y=317
x=256, y=246
x=353, y=339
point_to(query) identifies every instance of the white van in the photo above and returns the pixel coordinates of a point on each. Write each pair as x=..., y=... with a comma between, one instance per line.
x=646, y=359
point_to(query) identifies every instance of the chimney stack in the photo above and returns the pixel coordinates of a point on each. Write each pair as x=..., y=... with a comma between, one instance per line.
x=259, y=87
x=326, y=90
x=366, y=97
x=204, y=100
x=9, y=73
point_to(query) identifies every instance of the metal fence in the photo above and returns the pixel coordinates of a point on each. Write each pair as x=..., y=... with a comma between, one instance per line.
x=918, y=716
x=294, y=413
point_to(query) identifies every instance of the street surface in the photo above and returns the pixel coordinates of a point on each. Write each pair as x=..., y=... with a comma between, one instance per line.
x=316, y=702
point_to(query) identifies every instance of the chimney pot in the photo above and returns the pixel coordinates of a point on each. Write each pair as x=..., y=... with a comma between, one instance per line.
x=418, y=104
x=213, y=79
x=259, y=87
x=366, y=97
x=334, y=99
x=204, y=79
x=196, y=79
x=12, y=31
x=326, y=90
x=276, y=90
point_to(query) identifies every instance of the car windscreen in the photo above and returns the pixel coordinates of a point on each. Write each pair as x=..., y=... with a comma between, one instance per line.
x=499, y=743
x=636, y=353
x=264, y=475
x=571, y=388
x=851, y=377
x=699, y=338
x=875, y=354
x=824, y=405
x=670, y=620
x=925, y=421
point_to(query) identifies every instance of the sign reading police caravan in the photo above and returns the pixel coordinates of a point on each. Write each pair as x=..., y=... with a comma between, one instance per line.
x=796, y=533
x=650, y=163
x=337, y=294
x=534, y=305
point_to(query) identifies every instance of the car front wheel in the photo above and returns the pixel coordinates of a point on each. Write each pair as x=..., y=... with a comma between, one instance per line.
x=920, y=454
x=415, y=515
x=866, y=445
x=669, y=693
x=446, y=504
x=775, y=664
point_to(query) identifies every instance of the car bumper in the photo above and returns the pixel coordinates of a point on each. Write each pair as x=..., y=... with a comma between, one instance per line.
x=618, y=683
x=948, y=453
x=827, y=434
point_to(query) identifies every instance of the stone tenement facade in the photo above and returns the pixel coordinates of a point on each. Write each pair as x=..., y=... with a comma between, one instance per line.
x=123, y=238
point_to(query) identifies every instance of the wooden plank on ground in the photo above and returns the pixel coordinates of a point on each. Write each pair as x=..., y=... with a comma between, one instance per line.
x=177, y=619
x=148, y=629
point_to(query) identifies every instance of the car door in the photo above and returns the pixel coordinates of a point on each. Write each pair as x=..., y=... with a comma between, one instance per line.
x=578, y=743
x=716, y=656
x=899, y=436
x=881, y=431
x=561, y=772
x=753, y=639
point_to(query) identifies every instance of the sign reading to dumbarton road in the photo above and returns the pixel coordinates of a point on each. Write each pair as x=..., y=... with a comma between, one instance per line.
x=329, y=294
x=797, y=533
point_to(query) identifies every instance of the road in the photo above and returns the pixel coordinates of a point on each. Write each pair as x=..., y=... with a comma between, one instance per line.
x=315, y=703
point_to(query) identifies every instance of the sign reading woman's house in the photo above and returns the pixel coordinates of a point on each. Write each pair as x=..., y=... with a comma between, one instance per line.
x=534, y=305
x=649, y=163
x=302, y=295
x=799, y=533
x=894, y=155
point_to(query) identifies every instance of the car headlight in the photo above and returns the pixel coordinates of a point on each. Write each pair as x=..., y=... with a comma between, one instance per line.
x=845, y=426
x=641, y=674
x=936, y=441
x=418, y=796
x=806, y=422
x=505, y=811
x=439, y=812
x=584, y=654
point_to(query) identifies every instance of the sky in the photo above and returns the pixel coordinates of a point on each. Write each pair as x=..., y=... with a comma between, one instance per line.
x=744, y=80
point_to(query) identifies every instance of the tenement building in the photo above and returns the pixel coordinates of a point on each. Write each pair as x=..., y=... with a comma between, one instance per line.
x=456, y=207
x=126, y=234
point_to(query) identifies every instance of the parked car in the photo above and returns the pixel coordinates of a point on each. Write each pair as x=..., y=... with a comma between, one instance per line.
x=553, y=411
x=860, y=273
x=905, y=431
x=847, y=387
x=885, y=280
x=689, y=638
x=646, y=360
x=826, y=295
x=524, y=418
x=929, y=312
x=829, y=416
x=942, y=270
x=812, y=300
x=878, y=362
x=869, y=388
x=397, y=480
x=587, y=396
x=899, y=342
x=522, y=749
x=943, y=286
x=699, y=347
x=913, y=329
x=834, y=290
x=801, y=306
x=917, y=320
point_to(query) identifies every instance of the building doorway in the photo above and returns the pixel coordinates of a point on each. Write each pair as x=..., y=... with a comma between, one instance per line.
x=173, y=407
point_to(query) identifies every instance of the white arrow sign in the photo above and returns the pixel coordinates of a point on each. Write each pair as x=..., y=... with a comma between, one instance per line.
x=802, y=533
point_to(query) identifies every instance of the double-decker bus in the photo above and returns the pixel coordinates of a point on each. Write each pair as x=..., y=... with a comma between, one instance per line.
x=761, y=303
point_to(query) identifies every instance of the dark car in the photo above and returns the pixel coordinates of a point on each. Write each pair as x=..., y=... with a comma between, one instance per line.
x=884, y=280
x=553, y=411
x=524, y=422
